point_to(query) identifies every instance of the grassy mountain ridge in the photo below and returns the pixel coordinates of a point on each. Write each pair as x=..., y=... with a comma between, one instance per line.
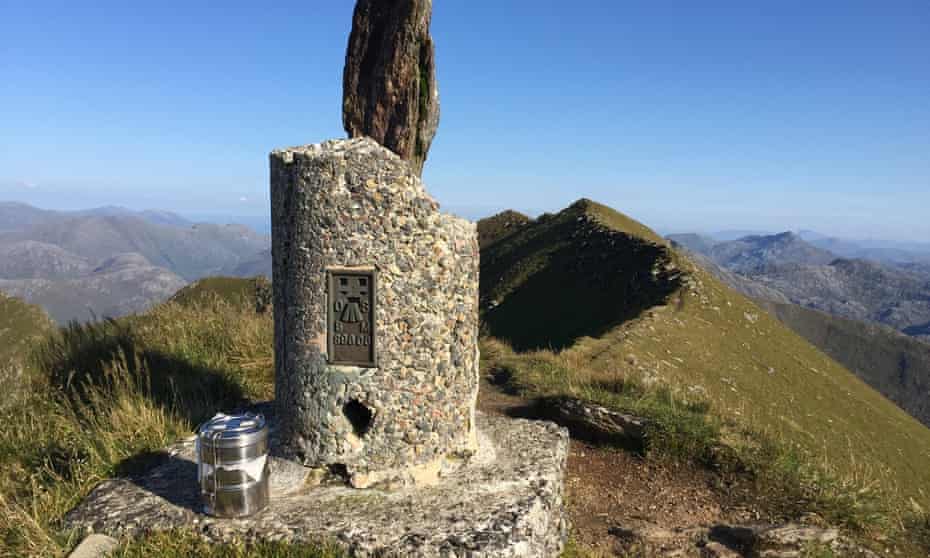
x=575, y=273
x=896, y=365
x=150, y=378
x=500, y=225
x=703, y=341
x=251, y=293
x=153, y=376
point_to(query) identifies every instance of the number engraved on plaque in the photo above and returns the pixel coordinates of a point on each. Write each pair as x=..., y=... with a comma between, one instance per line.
x=351, y=317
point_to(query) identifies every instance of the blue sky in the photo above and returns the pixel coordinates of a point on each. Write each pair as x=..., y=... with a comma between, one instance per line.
x=766, y=115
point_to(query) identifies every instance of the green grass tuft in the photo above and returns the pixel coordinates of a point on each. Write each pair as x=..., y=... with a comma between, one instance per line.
x=106, y=397
x=785, y=485
x=241, y=293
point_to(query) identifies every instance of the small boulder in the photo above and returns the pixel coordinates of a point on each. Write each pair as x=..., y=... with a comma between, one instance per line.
x=590, y=421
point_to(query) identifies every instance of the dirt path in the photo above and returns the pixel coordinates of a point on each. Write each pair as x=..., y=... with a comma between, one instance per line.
x=617, y=500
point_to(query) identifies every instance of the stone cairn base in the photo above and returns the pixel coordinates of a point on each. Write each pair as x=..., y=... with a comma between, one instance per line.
x=506, y=501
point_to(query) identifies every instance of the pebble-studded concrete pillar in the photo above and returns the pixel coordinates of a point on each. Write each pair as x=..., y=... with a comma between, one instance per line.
x=376, y=315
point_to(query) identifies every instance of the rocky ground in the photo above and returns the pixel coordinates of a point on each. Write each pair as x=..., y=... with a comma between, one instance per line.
x=620, y=504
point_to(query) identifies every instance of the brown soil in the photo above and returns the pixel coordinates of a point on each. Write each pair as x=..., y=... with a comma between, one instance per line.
x=620, y=504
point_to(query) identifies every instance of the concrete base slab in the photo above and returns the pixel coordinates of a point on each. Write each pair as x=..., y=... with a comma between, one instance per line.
x=507, y=501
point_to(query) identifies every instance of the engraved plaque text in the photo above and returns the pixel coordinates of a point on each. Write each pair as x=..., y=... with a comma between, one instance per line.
x=350, y=324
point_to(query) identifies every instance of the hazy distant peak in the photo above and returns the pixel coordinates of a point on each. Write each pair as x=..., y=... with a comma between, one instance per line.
x=163, y=217
x=811, y=236
x=16, y=205
x=693, y=242
x=756, y=252
x=782, y=238
x=28, y=259
x=122, y=261
x=868, y=268
x=17, y=216
x=106, y=210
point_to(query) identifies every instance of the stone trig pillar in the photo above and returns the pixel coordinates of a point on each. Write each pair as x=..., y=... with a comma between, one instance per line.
x=376, y=314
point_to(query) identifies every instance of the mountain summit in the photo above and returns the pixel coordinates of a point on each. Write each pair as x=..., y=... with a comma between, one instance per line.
x=623, y=306
x=754, y=253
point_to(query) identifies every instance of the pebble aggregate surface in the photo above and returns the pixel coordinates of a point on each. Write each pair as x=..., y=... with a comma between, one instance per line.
x=505, y=501
x=355, y=204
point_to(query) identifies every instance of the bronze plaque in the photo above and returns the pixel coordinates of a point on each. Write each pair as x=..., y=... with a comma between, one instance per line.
x=350, y=324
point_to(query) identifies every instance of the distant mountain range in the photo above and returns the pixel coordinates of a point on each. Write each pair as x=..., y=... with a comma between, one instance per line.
x=16, y=216
x=754, y=253
x=785, y=267
x=111, y=261
x=884, y=251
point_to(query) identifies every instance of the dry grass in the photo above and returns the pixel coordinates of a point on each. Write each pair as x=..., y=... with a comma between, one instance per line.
x=786, y=484
x=815, y=435
x=54, y=450
x=104, y=394
x=21, y=326
x=101, y=395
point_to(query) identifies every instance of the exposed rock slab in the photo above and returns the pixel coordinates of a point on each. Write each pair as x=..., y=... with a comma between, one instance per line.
x=389, y=83
x=588, y=420
x=94, y=546
x=788, y=540
x=506, y=502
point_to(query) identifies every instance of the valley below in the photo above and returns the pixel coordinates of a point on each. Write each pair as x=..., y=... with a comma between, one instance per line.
x=111, y=262
x=786, y=268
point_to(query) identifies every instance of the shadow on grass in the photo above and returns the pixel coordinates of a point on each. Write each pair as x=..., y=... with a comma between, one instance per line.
x=502, y=377
x=134, y=466
x=558, y=280
x=94, y=355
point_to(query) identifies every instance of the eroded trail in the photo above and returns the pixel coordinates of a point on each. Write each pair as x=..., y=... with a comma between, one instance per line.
x=621, y=504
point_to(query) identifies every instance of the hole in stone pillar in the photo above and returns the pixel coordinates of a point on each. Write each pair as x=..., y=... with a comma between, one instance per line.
x=340, y=470
x=359, y=416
